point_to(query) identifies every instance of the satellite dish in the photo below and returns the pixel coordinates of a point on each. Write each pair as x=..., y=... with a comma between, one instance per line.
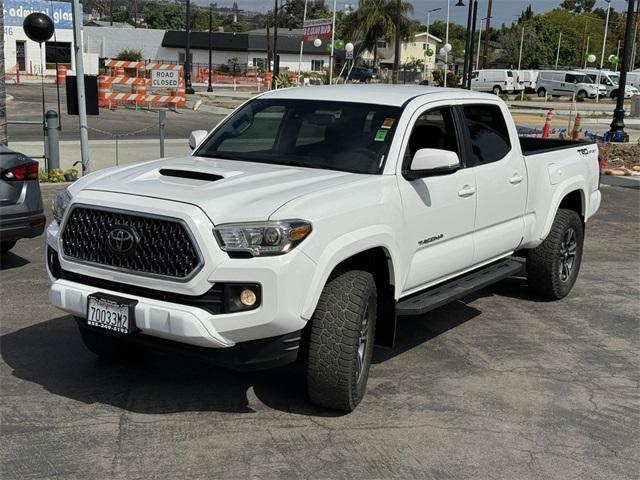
x=38, y=27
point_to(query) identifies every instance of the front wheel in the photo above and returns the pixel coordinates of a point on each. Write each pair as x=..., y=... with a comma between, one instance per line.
x=614, y=94
x=553, y=266
x=542, y=92
x=341, y=340
x=581, y=95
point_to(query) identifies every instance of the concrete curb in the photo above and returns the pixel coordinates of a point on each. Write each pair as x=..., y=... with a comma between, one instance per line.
x=627, y=182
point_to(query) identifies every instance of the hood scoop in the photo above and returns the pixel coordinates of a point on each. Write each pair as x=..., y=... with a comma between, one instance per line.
x=207, y=177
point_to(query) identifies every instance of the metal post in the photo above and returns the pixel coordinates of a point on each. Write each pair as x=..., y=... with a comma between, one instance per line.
x=275, y=45
x=53, y=144
x=558, y=52
x=521, y=43
x=479, y=44
x=472, y=46
x=617, y=133
x=210, y=87
x=333, y=43
x=162, y=115
x=467, y=44
x=304, y=19
x=82, y=106
x=446, y=42
x=485, y=54
x=187, y=61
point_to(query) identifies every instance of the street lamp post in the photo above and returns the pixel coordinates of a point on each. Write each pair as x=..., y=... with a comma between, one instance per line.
x=210, y=87
x=617, y=133
x=558, y=52
x=479, y=44
x=187, y=61
x=429, y=12
x=472, y=37
x=275, y=45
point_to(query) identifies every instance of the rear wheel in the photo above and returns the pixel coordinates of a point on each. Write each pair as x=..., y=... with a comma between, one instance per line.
x=341, y=340
x=553, y=266
x=6, y=246
x=497, y=90
x=106, y=346
x=542, y=92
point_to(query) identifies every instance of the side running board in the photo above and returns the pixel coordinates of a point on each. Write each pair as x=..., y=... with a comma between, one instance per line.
x=440, y=295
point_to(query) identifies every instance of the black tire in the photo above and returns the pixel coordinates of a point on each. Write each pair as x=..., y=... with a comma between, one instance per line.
x=6, y=246
x=547, y=263
x=541, y=92
x=338, y=365
x=106, y=346
x=581, y=94
x=614, y=94
x=496, y=90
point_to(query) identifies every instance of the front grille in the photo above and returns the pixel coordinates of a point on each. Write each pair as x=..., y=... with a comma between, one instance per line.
x=162, y=246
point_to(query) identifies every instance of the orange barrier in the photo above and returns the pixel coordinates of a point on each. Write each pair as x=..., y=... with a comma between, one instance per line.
x=546, y=130
x=163, y=66
x=13, y=72
x=61, y=75
x=111, y=63
x=104, y=89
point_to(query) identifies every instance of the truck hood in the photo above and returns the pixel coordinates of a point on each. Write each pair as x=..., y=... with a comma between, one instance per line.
x=226, y=190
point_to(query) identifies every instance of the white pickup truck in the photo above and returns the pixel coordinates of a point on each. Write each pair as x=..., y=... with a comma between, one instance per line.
x=308, y=219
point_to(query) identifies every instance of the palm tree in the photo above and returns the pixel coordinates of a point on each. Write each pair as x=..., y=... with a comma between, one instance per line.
x=375, y=20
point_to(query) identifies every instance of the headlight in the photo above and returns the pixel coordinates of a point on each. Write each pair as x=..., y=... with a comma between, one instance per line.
x=60, y=204
x=263, y=238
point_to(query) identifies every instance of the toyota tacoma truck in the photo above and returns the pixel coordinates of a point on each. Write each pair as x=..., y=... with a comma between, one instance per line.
x=310, y=218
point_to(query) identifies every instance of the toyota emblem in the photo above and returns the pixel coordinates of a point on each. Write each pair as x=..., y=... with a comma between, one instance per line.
x=122, y=239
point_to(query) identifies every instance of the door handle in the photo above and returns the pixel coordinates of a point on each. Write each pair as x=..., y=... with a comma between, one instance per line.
x=466, y=191
x=516, y=179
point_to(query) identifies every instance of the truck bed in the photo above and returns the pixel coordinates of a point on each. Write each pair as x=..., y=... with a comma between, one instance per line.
x=533, y=145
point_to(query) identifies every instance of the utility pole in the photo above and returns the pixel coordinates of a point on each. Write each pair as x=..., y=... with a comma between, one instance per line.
x=187, y=61
x=617, y=133
x=82, y=105
x=333, y=43
x=558, y=52
x=276, y=68
x=210, y=87
x=467, y=44
x=485, y=54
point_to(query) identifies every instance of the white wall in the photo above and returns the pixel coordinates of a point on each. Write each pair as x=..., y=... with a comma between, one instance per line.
x=108, y=41
x=35, y=59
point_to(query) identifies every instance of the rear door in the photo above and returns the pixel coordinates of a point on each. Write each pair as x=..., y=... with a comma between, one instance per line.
x=501, y=180
x=439, y=211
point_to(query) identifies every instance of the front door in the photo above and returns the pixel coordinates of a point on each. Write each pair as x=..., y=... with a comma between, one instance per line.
x=21, y=56
x=501, y=179
x=439, y=211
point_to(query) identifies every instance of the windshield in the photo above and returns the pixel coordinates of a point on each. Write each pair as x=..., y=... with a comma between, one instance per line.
x=345, y=136
x=615, y=79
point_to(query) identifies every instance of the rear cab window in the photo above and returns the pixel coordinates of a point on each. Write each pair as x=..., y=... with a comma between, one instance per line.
x=488, y=133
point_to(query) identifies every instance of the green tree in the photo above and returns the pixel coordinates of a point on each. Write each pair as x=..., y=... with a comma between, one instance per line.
x=376, y=20
x=578, y=6
x=166, y=17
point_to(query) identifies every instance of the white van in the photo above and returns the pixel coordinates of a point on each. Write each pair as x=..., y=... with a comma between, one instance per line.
x=567, y=83
x=496, y=81
x=611, y=81
x=633, y=78
x=528, y=79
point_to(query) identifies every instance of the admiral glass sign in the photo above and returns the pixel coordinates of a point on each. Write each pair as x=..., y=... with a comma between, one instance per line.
x=15, y=11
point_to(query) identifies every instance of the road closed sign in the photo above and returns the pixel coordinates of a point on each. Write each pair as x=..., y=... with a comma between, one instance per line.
x=165, y=78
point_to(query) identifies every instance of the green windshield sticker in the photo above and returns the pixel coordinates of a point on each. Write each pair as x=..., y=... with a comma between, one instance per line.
x=381, y=135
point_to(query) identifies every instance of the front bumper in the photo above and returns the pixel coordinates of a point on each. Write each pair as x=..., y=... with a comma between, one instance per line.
x=283, y=281
x=22, y=226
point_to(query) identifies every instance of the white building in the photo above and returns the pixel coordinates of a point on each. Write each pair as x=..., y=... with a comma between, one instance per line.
x=410, y=51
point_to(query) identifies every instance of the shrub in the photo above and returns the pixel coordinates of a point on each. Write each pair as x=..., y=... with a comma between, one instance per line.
x=130, y=55
x=56, y=176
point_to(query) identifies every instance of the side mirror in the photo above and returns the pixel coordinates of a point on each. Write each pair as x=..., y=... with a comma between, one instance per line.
x=432, y=161
x=196, y=138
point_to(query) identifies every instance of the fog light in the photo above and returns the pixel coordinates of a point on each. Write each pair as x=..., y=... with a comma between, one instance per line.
x=247, y=297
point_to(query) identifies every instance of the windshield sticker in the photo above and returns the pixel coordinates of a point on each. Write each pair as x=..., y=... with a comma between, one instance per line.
x=381, y=135
x=388, y=123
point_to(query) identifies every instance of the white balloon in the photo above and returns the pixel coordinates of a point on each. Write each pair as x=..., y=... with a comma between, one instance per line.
x=591, y=58
x=317, y=42
x=349, y=47
x=447, y=47
x=442, y=51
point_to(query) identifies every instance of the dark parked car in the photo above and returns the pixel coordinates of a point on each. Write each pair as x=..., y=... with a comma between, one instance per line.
x=21, y=213
x=360, y=74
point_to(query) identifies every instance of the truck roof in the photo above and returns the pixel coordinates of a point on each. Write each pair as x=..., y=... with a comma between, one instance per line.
x=393, y=95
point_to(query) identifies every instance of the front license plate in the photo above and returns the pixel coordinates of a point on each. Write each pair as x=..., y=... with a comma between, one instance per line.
x=111, y=313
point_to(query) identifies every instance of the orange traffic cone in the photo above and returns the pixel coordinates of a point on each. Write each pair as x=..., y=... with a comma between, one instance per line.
x=575, y=133
x=546, y=130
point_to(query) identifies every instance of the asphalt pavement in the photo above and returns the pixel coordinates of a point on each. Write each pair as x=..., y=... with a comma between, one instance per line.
x=500, y=385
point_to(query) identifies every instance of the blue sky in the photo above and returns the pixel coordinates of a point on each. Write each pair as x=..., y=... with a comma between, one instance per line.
x=504, y=11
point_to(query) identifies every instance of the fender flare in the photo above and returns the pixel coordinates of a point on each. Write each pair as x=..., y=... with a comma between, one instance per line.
x=345, y=247
x=565, y=188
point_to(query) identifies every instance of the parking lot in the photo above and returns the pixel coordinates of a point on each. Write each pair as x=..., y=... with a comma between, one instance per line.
x=499, y=385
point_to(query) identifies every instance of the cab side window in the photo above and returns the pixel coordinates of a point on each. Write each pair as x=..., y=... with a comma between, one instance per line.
x=488, y=133
x=433, y=129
